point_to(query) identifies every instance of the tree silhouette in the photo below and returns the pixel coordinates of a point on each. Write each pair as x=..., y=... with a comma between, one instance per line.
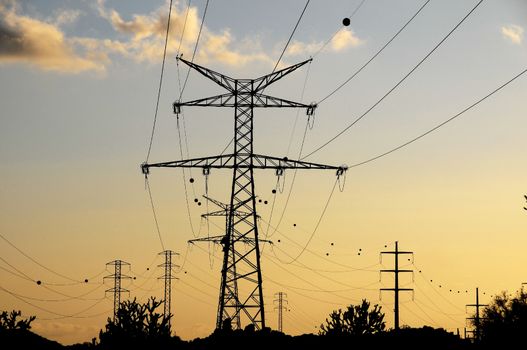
x=505, y=319
x=10, y=321
x=136, y=325
x=356, y=320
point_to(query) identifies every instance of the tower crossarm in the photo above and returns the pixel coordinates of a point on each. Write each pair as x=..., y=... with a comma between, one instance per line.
x=229, y=100
x=266, y=80
x=220, y=79
x=226, y=161
x=222, y=213
x=230, y=83
x=221, y=239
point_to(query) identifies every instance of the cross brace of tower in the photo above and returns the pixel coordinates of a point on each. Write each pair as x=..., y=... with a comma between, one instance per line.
x=396, y=289
x=241, y=291
x=280, y=305
x=117, y=289
x=477, y=318
x=167, y=277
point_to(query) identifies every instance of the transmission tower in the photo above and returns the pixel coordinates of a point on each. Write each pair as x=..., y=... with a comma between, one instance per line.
x=281, y=306
x=117, y=289
x=396, y=288
x=241, y=277
x=167, y=276
x=477, y=319
x=221, y=240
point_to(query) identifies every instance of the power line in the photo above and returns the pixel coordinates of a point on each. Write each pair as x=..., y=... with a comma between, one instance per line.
x=160, y=84
x=184, y=27
x=147, y=182
x=40, y=264
x=19, y=297
x=367, y=268
x=376, y=54
x=338, y=30
x=441, y=124
x=316, y=226
x=195, y=48
x=396, y=85
x=291, y=36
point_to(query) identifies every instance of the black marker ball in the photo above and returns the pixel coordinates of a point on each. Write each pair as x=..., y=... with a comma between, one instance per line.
x=346, y=21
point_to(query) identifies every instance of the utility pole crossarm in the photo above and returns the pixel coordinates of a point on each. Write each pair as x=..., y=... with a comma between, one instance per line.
x=395, y=271
x=226, y=161
x=396, y=289
x=220, y=79
x=398, y=252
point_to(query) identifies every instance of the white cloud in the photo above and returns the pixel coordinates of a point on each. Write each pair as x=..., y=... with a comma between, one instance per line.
x=513, y=33
x=343, y=39
x=147, y=37
x=40, y=44
x=141, y=37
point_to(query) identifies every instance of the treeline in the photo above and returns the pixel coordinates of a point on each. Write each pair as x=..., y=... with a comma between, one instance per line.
x=141, y=326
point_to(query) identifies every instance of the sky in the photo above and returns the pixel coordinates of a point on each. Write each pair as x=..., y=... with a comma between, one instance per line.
x=78, y=95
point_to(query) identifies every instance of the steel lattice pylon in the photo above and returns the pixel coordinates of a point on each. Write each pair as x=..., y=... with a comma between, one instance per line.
x=241, y=278
x=167, y=277
x=117, y=289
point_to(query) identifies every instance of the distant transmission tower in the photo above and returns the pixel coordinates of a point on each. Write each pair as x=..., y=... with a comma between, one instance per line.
x=221, y=239
x=167, y=276
x=396, y=288
x=281, y=306
x=117, y=289
x=477, y=319
x=241, y=277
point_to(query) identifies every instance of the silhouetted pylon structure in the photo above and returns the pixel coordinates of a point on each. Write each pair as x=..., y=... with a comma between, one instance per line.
x=220, y=239
x=167, y=277
x=396, y=289
x=477, y=319
x=117, y=289
x=281, y=306
x=241, y=290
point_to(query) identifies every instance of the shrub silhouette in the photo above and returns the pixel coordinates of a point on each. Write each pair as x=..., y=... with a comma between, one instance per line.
x=356, y=320
x=504, y=319
x=10, y=322
x=137, y=325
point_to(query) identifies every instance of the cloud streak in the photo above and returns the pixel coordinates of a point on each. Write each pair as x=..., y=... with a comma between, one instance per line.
x=513, y=33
